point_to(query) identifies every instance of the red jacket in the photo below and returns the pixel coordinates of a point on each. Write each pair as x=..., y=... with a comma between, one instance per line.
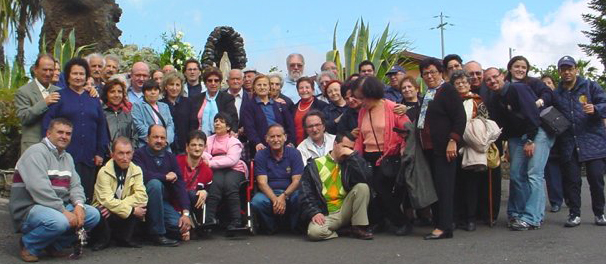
x=205, y=174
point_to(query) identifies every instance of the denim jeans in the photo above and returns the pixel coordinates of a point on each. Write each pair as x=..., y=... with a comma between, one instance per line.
x=45, y=226
x=161, y=215
x=263, y=208
x=526, y=185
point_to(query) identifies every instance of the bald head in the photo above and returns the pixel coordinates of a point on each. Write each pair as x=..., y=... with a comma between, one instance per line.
x=474, y=69
x=139, y=75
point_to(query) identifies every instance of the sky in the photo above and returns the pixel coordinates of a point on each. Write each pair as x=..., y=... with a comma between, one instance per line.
x=543, y=31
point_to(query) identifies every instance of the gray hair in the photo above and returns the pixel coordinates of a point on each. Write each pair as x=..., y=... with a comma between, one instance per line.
x=292, y=55
x=330, y=75
x=111, y=57
x=470, y=62
x=276, y=75
x=93, y=56
x=241, y=73
x=459, y=74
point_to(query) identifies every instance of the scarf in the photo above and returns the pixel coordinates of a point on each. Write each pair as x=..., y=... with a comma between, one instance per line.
x=124, y=106
x=210, y=110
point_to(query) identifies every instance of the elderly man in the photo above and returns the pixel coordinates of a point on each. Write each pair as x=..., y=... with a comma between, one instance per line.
x=249, y=76
x=32, y=100
x=234, y=81
x=112, y=66
x=96, y=63
x=168, y=68
x=47, y=200
x=168, y=204
x=474, y=69
x=295, y=63
x=318, y=142
x=583, y=103
x=192, y=72
x=335, y=193
x=330, y=66
x=366, y=68
x=278, y=170
x=393, y=92
x=120, y=196
x=138, y=76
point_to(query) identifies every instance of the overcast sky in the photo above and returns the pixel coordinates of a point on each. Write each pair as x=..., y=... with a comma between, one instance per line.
x=543, y=31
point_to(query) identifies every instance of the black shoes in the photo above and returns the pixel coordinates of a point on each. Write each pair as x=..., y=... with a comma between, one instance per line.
x=164, y=241
x=432, y=236
x=403, y=230
x=100, y=246
x=555, y=208
x=128, y=244
x=361, y=232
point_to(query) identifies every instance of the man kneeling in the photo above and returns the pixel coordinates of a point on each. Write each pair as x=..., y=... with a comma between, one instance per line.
x=335, y=193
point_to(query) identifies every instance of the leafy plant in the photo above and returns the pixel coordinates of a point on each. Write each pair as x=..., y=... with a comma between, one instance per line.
x=176, y=51
x=129, y=54
x=11, y=78
x=65, y=51
x=584, y=70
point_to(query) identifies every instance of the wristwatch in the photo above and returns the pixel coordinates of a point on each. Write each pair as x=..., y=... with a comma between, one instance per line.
x=529, y=141
x=185, y=213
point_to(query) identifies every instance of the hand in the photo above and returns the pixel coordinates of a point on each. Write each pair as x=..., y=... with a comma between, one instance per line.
x=259, y=146
x=355, y=132
x=338, y=119
x=79, y=213
x=344, y=152
x=205, y=160
x=98, y=160
x=185, y=236
x=279, y=204
x=71, y=218
x=539, y=103
x=400, y=109
x=280, y=100
x=104, y=212
x=91, y=90
x=171, y=177
x=140, y=211
x=529, y=149
x=233, y=134
x=451, y=150
x=319, y=219
x=201, y=198
x=588, y=108
x=52, y=98
x=184, y=224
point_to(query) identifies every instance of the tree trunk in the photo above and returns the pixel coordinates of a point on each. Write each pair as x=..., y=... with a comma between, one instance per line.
x=2, y=59
x=21, y=31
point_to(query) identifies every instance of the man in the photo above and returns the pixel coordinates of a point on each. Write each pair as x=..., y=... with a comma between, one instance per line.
x=165, y=188
x=120, y=196
x=583, y=103
x=278, y=170
x=168, y=68
x=452, y=62
x=138, y=76
x=47, y=200
x=192, y=72
x=112, y=66
x=335, y=193
x=317, y=143
x=249, y=76
x=330, y=66
x=529, y=146
x=295, y=63
x=474, y=69
x=96, y=65
x=366, y=68
x=32, y=100
x=393, y=92
x=234, y=82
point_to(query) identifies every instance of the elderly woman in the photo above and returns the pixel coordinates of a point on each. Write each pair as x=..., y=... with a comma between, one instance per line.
x=410, y=97
x=349, y=119
x=263, y=112
x=468, y=181
x=150, y=111
x=323, y=79
x=117, y=111
x=207, y=104
x=440, y=124
x=305, y=88
x=89, y=136
x=275, y=90
x=180, y=109
x=337, y=105
x=378, y=141
x=223, y=153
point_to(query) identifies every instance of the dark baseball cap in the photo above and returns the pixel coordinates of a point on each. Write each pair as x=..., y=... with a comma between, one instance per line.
x=395, y=69
x=568, y=61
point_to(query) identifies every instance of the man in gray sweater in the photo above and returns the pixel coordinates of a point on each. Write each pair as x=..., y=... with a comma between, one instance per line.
x=47, y=199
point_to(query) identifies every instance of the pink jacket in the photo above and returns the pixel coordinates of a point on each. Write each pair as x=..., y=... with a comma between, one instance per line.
x=392, y=141
x=225, y=152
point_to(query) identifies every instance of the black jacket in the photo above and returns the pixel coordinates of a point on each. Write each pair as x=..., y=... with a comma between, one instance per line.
x=348, y=122
x=354, y=170
x=446, y=118
x=180, y=112
x=225, y=103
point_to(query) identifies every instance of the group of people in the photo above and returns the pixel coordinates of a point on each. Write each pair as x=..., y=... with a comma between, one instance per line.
x=154, y=154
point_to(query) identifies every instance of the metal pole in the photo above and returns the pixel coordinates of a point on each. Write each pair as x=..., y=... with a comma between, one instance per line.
x=442, y=32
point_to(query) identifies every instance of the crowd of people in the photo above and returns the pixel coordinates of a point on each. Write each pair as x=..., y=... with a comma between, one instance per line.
x=160, y=155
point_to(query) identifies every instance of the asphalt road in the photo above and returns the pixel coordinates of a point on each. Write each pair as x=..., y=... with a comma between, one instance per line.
x=551, y=244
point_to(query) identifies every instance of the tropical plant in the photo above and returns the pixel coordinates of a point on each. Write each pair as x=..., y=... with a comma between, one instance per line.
x=129, y=54
x=176, y=51
x=7, y=21
x=11, y=78
x=383, y=52
x=65, y=51
x=29, y=11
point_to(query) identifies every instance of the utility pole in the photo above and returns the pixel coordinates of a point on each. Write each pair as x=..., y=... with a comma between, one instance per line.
x=442, y=27
x=511, y=52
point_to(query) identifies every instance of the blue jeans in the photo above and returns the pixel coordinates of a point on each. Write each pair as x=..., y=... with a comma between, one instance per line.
x=161, y=215
x=263, y=208
x=45, y=226
x=526, y=185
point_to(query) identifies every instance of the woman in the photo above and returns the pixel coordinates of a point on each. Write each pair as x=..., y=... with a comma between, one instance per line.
x=440, y=124
x=517, y=71
x=56, y=73
x=377, y=141
x=410, y=97
x=117, y=111
x=180, y=108
x=548, y=80
x=223, y=153
x=157, y=75
x=150, y=111
x=275, y=90
x=207, y=104
x=323, y=79
x=336, y=107
x=468, y=181
x=89, y=136
x=305, y=88
x=263, y=112
x=349, y=119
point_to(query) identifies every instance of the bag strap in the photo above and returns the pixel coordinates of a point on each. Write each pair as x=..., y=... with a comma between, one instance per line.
x=157, y=113
x=373, y=130
x=195, y=177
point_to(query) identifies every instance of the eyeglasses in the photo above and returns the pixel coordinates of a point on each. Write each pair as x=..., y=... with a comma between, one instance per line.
x=213, y=81
x=432, y=73
x=475, y=73
x=293, y=65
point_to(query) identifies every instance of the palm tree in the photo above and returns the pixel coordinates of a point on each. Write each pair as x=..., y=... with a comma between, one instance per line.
x=7, y=20
x=29, y=11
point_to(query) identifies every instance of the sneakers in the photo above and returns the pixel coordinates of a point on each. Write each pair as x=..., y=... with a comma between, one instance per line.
x=600, y=220
x=520, y=225
x=574, y=220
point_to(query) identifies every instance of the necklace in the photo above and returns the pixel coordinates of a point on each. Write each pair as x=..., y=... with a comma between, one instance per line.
x=307, y=108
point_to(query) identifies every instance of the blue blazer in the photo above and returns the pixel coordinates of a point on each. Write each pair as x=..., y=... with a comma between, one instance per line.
x=143, y=117
x=255, y=122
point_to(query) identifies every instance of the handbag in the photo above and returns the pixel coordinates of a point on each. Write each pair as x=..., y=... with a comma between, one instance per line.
x=493, y=156
x=390, y=165
x=553, y=121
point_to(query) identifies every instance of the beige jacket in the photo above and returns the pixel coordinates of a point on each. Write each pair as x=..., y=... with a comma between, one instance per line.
x=133, y=192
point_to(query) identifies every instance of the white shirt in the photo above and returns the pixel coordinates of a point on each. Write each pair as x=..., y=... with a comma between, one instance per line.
x=238, y=99
x=43, y=90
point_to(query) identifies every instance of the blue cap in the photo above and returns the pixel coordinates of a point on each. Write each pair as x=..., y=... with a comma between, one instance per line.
x=568, y=61
x=395, y=69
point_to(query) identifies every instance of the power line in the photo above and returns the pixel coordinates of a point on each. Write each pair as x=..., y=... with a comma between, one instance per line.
x=442, y=27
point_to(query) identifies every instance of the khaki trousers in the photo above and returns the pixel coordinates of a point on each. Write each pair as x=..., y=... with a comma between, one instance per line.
x=353, y=210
